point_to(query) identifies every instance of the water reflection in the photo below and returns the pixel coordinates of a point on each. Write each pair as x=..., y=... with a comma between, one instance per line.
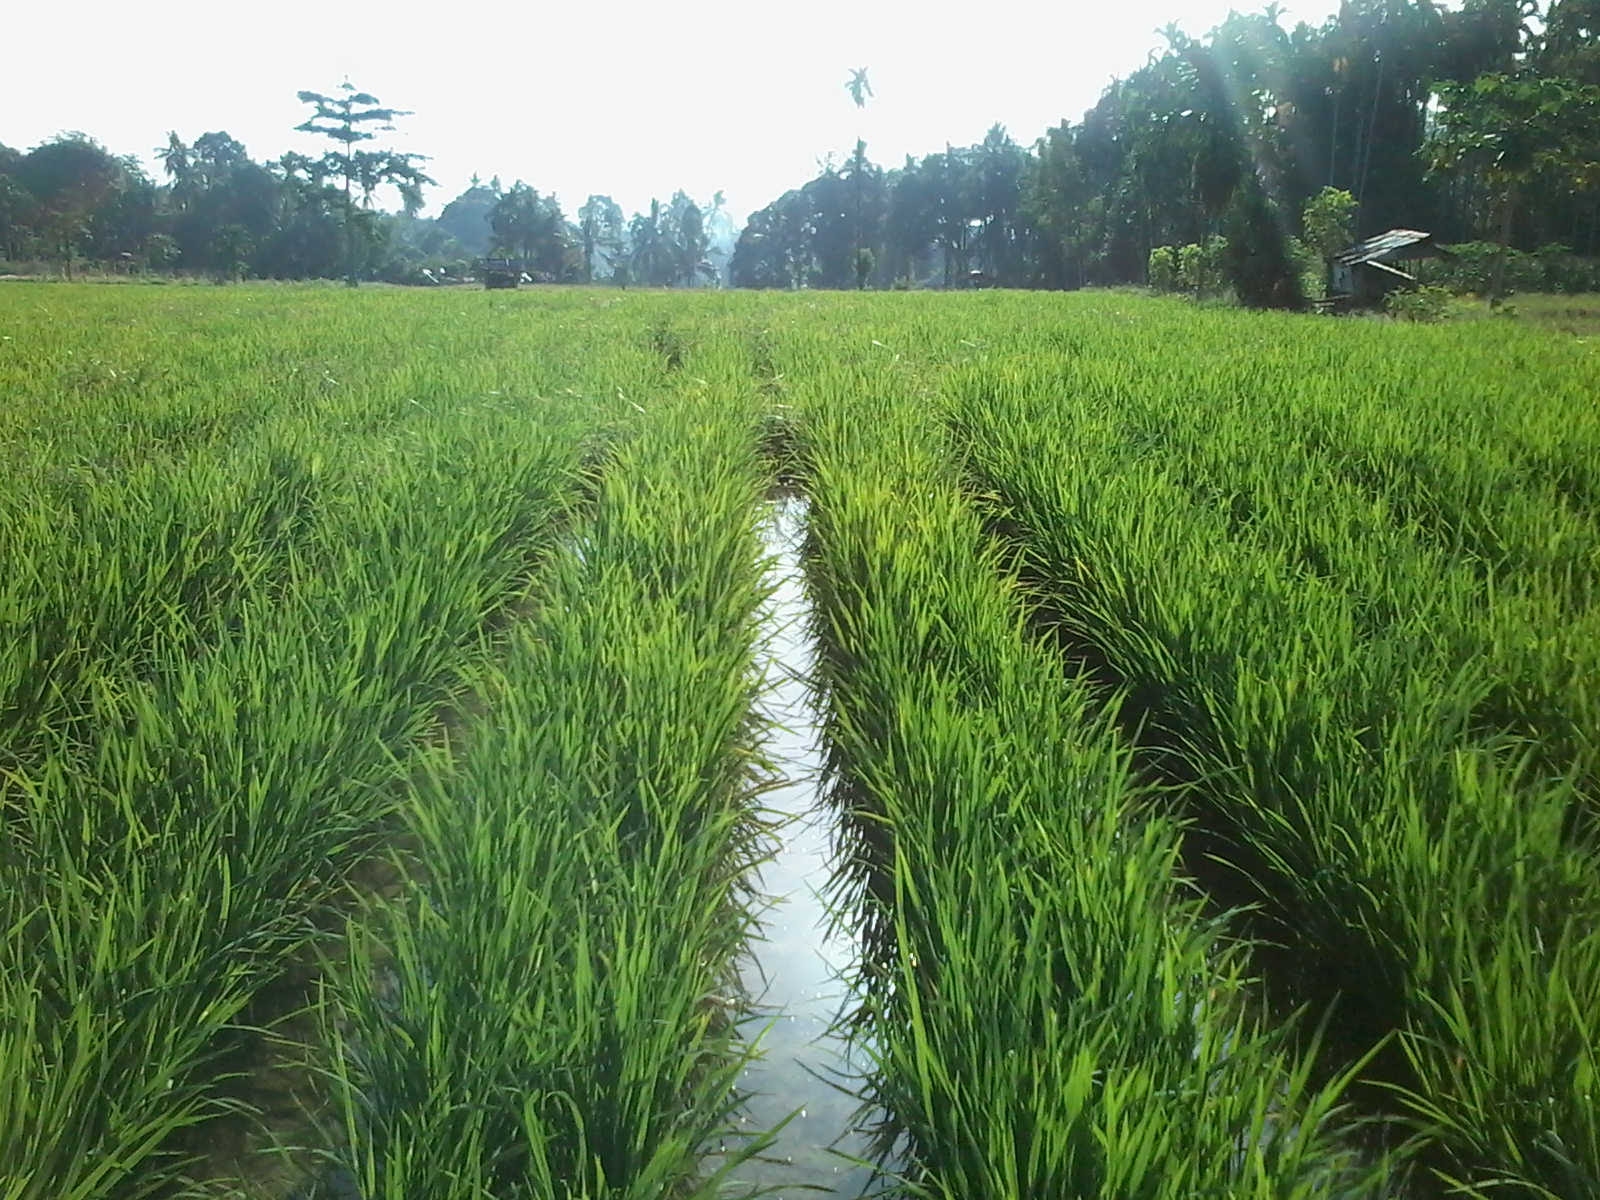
x=796, y=968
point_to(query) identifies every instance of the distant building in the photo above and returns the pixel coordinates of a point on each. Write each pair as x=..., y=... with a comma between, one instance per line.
x=1361, y=275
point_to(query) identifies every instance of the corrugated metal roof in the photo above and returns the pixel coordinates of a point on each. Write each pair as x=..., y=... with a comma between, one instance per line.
x=1396, y=244
x=1394, y=272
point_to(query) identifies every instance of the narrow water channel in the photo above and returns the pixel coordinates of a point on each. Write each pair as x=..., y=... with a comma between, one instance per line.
x=796, y=966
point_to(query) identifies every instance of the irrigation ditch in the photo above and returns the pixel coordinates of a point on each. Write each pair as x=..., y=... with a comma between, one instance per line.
x=801, y=954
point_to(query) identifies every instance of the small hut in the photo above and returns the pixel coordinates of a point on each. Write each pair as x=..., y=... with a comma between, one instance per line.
x=1360, y=276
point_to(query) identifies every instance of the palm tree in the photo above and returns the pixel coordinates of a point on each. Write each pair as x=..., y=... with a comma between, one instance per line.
x=858, y=87
x=175, y=160
x=651, y=256
x=860, y=92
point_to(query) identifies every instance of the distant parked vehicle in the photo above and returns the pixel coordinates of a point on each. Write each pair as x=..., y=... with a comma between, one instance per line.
x=502, y=272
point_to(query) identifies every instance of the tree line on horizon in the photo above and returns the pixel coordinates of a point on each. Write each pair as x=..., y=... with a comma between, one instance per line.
x=222, y=214
x=1479, y=124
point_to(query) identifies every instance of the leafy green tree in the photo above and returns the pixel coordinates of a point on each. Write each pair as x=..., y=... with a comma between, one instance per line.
x=829, y=234
x=1213, y=264
x=863, y=175
x=1517, y=131
x=1245, y=124
x=121, y=225
x=16, y=206
x=1570, y=45
x=1162, y=272
x=348, y=120
x=1192, y=268
x=722, y=235
x=656, y=257
x=860, y=92
x=600, y=232
x=1255, y=257
x=773, y=250
x=686, y=231
x=215, y=155
x=215, y=185
x=175, y=161
x=1057, y=199
x=67, y=180
x=161, y=251
x=999, y=166
x=1328, y=219
x=955, y=208
x=466, y=218
x=531, y=226
x=865, y=261
x=308, y=240
x=648, y=257
x=231, y=248
x=910, y=225
x=1198, y=267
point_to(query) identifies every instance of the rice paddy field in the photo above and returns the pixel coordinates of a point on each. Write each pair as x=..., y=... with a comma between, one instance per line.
x=1191, y=719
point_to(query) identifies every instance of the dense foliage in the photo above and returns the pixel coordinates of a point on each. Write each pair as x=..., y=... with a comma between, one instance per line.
x=1393, y=101
x=222, y=214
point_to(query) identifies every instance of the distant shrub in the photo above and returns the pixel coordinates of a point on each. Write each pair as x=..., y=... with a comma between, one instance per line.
x=161, y=252
x=865, y=261
x=1329, y=221
x=1162, y=271
x=1551, y=268
x=1197, y=268
x=1424, y=304
x=1309, y=266
x=1200, y=265
x=1191, y=268
x=1255, y=258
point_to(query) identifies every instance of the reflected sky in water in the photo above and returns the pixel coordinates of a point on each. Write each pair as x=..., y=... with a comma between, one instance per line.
x=796, y=967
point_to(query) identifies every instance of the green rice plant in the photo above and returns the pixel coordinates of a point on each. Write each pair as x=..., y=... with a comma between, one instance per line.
x=114, y=573
x=176, y=874
x=551, y=1010
x=125, y=527
x=266, y=547
x=1049, y=1012
x=174, y=848
x=1410, y=862
x=1457, y=612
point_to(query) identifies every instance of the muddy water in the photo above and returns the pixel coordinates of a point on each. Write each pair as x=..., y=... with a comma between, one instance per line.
x=796, y=966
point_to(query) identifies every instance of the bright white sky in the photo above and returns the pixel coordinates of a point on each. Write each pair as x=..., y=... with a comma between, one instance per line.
x=629, y=98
